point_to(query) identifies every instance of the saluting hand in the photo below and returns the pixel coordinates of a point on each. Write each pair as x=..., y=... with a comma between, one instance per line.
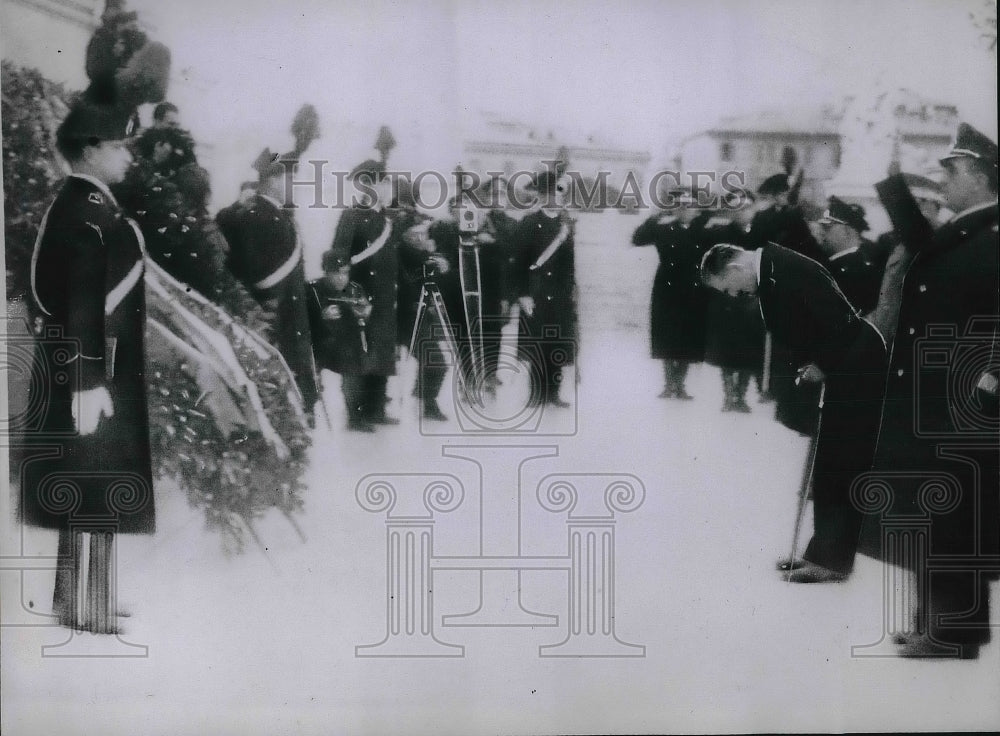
x=89, y=406
x=527, y=305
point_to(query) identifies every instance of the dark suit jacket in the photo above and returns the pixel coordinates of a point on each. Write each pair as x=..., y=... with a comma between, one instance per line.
x=805, y=310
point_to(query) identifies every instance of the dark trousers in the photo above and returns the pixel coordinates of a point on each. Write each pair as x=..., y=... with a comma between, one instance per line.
x=90, y=609
x=845, y=449
x=546, y=374
x=365, y=396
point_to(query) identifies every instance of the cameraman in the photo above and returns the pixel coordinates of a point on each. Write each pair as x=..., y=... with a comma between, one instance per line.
x=420, y=263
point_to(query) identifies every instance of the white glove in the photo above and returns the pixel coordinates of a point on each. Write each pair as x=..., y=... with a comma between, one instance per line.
x=527, y=305
x=89, y=406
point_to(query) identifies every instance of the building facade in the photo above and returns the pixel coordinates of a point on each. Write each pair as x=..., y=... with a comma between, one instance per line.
x=508, y=146
x=814, y=141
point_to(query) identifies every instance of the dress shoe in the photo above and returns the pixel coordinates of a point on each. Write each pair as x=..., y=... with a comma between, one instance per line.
x=786, y=564
x=920, y=646
x=360, y=425
x=558, y=403
x=742, y=407
x=682, y=394
x=433, y=411
x=812, y=573
x=383, y=419
x=667, y=393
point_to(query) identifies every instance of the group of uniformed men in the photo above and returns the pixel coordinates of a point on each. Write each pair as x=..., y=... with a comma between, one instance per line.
x=389, y=265
x=769, y=274
x=885, y=351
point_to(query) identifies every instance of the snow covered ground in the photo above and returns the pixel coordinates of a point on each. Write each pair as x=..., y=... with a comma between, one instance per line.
x=264, y=642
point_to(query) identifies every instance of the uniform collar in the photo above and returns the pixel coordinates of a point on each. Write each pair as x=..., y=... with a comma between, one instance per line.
x=974, y=208
x=101, y=186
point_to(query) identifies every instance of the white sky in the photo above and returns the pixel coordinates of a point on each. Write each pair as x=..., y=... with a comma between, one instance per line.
x=638, y=73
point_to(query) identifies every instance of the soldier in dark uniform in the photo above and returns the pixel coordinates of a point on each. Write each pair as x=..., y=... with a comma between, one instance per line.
x=266, y=255
x=545, y=280
x=849, y=255
x=424, y=259
x=366, y=238
x=941, y=414
x=803, y=307
x=338, y=315
x=677, y=305
x=87, y=286
x=734, y=330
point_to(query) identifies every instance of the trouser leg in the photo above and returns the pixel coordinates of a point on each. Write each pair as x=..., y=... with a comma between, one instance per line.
x=99, y=584
x=669, y=378
x=65, y=596
x=845, y=449
x=374, y=399
x=728, y=388
x=353, y=390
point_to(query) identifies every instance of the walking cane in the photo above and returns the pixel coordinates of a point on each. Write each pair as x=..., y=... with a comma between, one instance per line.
x=807, y=477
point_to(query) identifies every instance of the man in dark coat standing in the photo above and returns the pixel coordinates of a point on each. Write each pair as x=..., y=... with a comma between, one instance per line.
x=338, y=317
x=87, y=286
x=939, y=442
x=678, y=302
x=366, y=238
x=804, y=309
x=545, y=279
x=266, y=255
x=849, y=255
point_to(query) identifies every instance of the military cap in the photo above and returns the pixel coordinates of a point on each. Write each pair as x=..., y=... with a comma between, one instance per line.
x=970, y=143
x=922, y=187
x=332, y=261
x=774, y=184
x=90, y=121
x=839, y=211
x=269, y=164
x=369, y=170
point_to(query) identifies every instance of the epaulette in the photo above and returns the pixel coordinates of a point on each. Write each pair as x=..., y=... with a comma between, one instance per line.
x=718, y=222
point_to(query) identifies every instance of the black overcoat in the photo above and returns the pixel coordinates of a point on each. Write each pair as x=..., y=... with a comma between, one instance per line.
x=265, y=254
x=678, y=302
x=940, y=416
x=87, y=286
x=552, y=284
